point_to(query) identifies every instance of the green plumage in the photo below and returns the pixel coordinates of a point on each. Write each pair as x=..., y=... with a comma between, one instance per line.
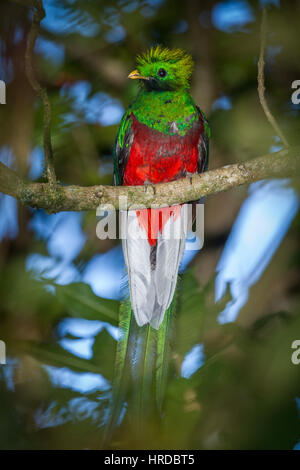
x=141, y=370
x=178, y=64
x=157, y=110
x=169, y=101
x=175, y=104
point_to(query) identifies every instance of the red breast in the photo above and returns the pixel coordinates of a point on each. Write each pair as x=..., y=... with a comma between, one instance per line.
x=156, y=157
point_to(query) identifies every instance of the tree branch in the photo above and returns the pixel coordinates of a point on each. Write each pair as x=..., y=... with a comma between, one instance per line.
x=261, y=80
x=78, y=198
x=39, y=14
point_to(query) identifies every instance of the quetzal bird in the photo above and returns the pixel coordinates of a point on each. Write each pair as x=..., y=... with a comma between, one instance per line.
x=163, y=136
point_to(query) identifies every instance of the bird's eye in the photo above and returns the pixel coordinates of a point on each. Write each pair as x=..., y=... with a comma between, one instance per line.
x=162, y=73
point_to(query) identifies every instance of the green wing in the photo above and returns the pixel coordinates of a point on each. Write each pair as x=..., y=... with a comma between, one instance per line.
x=203, y=145
x=122, y=147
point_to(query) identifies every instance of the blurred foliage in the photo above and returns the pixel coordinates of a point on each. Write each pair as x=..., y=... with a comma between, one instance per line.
x=242, y=397
x=244, y=394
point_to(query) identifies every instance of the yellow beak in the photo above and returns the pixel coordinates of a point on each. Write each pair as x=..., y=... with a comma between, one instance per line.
x=136, y=75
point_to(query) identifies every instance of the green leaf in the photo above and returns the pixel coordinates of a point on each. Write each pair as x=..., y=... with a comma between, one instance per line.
x=197, y=312
x=55, y=355
x=80, y=301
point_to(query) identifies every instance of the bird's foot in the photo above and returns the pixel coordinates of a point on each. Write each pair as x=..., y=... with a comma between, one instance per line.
x=190, y=175
x=147, y=184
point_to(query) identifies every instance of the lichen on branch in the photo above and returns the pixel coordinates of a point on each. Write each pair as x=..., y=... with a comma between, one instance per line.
x=79, y=198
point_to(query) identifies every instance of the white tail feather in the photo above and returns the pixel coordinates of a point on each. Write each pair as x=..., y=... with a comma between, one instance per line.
x=152, y=287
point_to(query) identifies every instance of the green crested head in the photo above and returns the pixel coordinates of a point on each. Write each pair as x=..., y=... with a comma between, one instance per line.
x=161, y=68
